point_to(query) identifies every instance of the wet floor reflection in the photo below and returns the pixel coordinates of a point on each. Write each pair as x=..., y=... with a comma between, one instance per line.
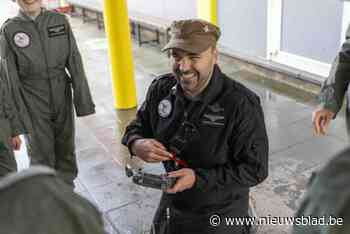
x=294, y=151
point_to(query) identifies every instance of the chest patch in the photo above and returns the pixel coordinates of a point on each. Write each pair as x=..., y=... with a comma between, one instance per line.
x=57, y=30
x=164, y=108
x=215, y=116
x=21, y=39
x=215, y=120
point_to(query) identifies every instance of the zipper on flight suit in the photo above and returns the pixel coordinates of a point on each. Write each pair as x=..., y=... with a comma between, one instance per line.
x=51, y=104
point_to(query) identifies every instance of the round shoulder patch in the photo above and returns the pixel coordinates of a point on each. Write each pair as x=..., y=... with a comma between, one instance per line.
x=164, y=108
x=21, y=39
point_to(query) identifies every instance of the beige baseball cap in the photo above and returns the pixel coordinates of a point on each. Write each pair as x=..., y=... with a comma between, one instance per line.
x=193, y=35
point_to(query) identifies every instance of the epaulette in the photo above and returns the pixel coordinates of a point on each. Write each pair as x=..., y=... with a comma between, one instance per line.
x=4, y=24
x=3, y=43
x=162, y=78
x=6, y=21
x=163, y=82
x=241, y=89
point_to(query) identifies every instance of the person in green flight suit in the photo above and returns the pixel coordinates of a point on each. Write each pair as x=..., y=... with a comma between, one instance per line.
x=43, y=65
x=333, y=91
x=325, y=205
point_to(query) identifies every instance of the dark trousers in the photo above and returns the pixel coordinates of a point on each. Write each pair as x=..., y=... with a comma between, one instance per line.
x=169, y=220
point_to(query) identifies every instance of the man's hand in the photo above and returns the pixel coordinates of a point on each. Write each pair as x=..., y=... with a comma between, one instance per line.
x=16, y=143
x=186, y=178
x=321, y=119
x=150, y=150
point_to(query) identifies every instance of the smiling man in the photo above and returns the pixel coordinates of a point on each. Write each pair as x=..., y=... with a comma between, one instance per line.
x=212, y=124
x=38, y=48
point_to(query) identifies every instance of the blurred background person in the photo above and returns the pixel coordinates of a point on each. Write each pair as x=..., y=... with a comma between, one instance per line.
x=333, y=91
x=37, y=46
x=36, y=200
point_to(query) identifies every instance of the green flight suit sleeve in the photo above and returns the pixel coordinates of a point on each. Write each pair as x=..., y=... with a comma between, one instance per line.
x=10, y=112
x=333, y=90
x=15, y=104
x=82, y=97
x=327, y=196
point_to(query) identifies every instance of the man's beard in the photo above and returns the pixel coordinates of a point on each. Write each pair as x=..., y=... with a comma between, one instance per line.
x=178, y=73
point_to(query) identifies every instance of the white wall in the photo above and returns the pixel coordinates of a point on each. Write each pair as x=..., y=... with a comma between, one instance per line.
x=312, y=28
x=168, y=9
x=309, y=31
x=244, y=26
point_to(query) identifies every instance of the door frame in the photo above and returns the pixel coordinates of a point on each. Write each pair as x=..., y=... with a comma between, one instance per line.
x=274, y=33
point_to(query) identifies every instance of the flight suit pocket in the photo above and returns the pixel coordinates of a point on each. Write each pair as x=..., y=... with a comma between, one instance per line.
x=211, y=128
x=210, y=146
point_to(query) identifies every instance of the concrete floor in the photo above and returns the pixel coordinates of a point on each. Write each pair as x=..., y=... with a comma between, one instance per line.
x=294, y=151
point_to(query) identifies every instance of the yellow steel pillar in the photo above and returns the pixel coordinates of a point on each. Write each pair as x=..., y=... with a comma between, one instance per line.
x=120, y=53
x=207, y=10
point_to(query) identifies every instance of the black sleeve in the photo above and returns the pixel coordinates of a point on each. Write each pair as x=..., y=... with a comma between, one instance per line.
x=248, y=164
x=141, y=126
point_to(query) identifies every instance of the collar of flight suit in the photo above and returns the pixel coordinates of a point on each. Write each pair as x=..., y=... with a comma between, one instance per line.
x=23, y=17
x=213, y=88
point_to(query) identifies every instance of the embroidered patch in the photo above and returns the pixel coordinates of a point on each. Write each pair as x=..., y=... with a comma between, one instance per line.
x=213, y=118
x=216, y=120
x=57, y=30
x=164, y=108
x=21, y=39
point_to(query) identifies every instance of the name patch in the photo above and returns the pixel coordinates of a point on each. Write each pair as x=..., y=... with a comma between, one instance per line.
x=57, y=30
